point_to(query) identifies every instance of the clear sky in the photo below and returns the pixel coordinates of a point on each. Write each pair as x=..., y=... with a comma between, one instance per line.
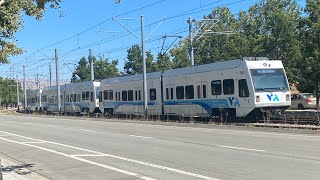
x=89, y=24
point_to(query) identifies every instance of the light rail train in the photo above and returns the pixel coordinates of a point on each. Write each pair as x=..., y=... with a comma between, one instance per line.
x=242, y=88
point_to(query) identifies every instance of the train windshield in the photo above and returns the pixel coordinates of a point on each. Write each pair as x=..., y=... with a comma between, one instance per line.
x=269, y=80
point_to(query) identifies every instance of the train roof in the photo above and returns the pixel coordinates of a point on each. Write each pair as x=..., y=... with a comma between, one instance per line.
x=137, y=77
x=203, y=68
x=73, y=85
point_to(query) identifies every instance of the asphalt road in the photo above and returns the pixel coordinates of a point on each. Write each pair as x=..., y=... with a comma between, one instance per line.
x=85, y=149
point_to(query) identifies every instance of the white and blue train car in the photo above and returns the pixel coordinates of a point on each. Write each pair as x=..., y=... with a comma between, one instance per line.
x=75, y=98
x=237, y=88
x=124, y=95
x=34, y=102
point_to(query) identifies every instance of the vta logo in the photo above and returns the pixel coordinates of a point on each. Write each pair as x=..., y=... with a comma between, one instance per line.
x=234, y=102
x=273, y=97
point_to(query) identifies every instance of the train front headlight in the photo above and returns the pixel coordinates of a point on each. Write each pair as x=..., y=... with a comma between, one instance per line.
x=257, y=98
x=287, y=97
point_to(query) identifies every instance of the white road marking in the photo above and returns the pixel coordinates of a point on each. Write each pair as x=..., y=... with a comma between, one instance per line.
x=145, y=137
x=52, y=126
x=107, y=155
x=87, y=130
x=33, y=142
x=84, y=160
x=86, y=155
x=240, y=148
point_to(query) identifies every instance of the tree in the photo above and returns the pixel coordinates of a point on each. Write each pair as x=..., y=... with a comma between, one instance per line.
x=8, y=91
x=311, y=35
x=133, y=63
x=180, y=54
x=163, y=62
x=103, y=69
x=11, y=22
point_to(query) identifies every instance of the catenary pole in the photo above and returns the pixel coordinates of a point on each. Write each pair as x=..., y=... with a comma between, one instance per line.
x=58, y=82
x=191, y=42
x=145, y=94
x=18, y=99
x=50, y=74
x=24, y=87
x=91, y=65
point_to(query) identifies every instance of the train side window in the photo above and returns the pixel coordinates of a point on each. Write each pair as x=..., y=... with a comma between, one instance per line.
x=110, y=94
x=116, y=96
x=198, y=92
x=87, y=95
x=119, y=99
x=139, y=95
x=153, y=94
x=130, y=95
x=92, y=97
x=216, y=87
x=136, y=95
x=105, y=94
x=83, y=96
x=204, y=91
x=243, y=88
x=171, y=93
x=189, y=92
x=228, y=86
x=100, y=96
x=167, y=93
x=124, y=95
x=180, y=92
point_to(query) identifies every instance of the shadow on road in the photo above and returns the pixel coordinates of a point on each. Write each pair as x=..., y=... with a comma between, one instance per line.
x=21, y=169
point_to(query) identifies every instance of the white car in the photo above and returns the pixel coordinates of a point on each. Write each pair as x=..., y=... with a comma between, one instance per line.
x=303, y=101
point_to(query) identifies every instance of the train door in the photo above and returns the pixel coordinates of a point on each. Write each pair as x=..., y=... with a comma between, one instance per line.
x=201, y=93
x=171, y=106
x=244, y=100
x=138, y=104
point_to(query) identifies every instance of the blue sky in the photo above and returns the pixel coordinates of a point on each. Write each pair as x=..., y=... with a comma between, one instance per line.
x=77, y=16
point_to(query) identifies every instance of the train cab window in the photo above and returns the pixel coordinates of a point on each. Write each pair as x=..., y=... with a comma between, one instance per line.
x=130, y=95
x=243, y=88
x=180, y=92
x=124, y=95
x=87, y=95
x=83, y=96
x=189, y=92
x=198, y=92
x=167, y=93
x=153, y=94
x=204, y=91
x=228, y=86
x=105, y=95
x=216, y=87
x=110, y=94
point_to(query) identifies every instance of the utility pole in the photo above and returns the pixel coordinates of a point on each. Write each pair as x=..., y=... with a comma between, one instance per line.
x=25, y=87
x=58, y=82
x=91, y=65
x=145, y=94
x=191, y=41
x=18, y=93
x=50, y=74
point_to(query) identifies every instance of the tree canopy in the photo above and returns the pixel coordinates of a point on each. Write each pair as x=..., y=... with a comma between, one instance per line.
x=103, y=69
x=11, y=22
